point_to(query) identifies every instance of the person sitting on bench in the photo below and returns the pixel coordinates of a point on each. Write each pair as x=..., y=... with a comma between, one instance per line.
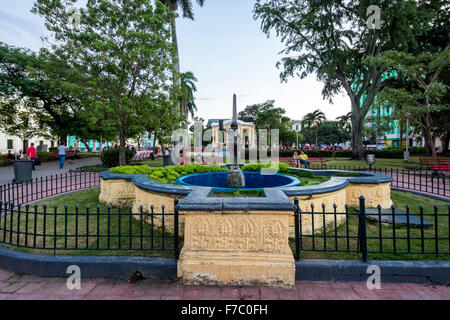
x=304, y=158
x=296, y=158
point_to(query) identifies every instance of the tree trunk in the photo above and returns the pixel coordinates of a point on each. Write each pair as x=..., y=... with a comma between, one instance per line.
x=316, y=140
x=122, y=156
x=401, y=136
x=86, y=144
x=430, y=137
x=357, y=128
x=25, y=145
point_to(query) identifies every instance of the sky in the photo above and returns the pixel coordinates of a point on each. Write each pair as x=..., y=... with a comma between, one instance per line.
x=224, y=47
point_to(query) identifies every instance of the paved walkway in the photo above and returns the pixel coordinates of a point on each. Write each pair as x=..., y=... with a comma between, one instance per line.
x=48, y=168
x=20, y=287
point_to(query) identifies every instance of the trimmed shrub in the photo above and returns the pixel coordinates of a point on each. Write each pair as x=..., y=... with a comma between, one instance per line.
x=167, y=174
x=110, y=157
x=46, y=156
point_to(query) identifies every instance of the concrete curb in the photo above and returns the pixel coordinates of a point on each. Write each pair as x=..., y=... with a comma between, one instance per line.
x=91, y=267
x=437, y=197
x=422, y=272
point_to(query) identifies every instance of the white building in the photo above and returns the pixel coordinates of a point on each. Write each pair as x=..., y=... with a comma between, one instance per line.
x=14, y=143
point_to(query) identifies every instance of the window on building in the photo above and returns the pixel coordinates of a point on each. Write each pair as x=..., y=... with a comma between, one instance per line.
x=10, y=144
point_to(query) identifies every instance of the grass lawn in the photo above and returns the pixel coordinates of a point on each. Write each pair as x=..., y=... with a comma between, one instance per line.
x=158, y=162
x=92, y=222
x=400, y=199
x=95, y=222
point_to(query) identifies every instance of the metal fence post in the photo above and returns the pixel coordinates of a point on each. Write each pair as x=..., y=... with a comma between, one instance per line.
x=297, y=229
x=362, y=228
x=175, y=232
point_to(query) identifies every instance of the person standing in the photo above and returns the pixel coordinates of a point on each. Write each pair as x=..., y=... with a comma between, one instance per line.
x=31, y=154
x=62, y=155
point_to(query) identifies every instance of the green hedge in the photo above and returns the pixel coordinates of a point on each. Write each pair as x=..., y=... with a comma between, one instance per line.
x=110, y=157
x=391, y=153
x=307, y=178
x=167, y=174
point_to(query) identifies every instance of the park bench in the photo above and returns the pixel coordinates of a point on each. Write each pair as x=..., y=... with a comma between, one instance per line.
x=291, y=162
x=142, y=155
x=427, y=162
x=443, y=165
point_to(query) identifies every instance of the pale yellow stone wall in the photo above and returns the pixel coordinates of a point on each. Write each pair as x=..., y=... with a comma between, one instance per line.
x=375, y=194
x=147, y=198
x=117, y=192
x=237, y=248
x=337, y=197
x=123, y=192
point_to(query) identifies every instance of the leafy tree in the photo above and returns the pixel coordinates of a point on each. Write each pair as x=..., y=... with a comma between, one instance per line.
x=267, y=116
x=123, y=52
x=331, y=39
x=376, y=127
x=330, y=132
x=40, y=81
x=313, y=121
x=344, y=122
x=21, y=122
x=427, y=96
x=249, y=114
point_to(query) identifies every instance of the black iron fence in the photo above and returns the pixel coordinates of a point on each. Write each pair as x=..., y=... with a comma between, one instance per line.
x=80, y=228
x=45, y=187
x=317, y=230
x=426, y=181
x=87, y=229
x=394, y=232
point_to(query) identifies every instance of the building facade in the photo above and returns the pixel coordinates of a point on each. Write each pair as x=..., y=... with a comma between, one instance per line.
x=14, y=143
x=246, y=131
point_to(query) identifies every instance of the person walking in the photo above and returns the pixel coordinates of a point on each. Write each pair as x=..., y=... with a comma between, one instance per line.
x=62, y=155
x=31, y=154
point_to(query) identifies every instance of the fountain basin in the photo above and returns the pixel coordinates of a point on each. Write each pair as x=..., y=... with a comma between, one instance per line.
x=253, y=181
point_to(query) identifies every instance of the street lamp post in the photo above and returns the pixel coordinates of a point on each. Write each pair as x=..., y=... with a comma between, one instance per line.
x=296, y=129
x=406, y=155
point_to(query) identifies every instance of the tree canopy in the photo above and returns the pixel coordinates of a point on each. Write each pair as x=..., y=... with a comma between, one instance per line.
x=331, y=38
x=123, y=53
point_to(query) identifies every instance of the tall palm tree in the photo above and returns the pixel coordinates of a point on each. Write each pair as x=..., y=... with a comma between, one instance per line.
x=344, y=121
x=186, y=9
x=187, y=93
x=313, y=121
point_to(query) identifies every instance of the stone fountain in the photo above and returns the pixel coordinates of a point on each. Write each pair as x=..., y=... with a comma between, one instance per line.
x=235, y=177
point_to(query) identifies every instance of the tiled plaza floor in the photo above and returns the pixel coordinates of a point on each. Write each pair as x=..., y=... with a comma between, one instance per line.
x=23, y=287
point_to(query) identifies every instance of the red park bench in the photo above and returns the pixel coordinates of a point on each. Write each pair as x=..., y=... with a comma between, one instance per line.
x=291, y=162
x=427, y=162
x=442, y=165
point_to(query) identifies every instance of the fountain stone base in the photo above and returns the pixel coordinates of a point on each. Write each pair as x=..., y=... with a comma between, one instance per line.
x=235, y=178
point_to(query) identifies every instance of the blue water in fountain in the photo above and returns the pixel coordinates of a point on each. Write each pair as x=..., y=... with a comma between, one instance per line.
x=253, y=180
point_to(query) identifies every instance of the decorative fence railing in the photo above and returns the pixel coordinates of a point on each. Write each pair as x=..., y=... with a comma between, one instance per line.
x=425, y=181
x=45, y=187
x=351, y=232
x=326, y=230
x=85, y=229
